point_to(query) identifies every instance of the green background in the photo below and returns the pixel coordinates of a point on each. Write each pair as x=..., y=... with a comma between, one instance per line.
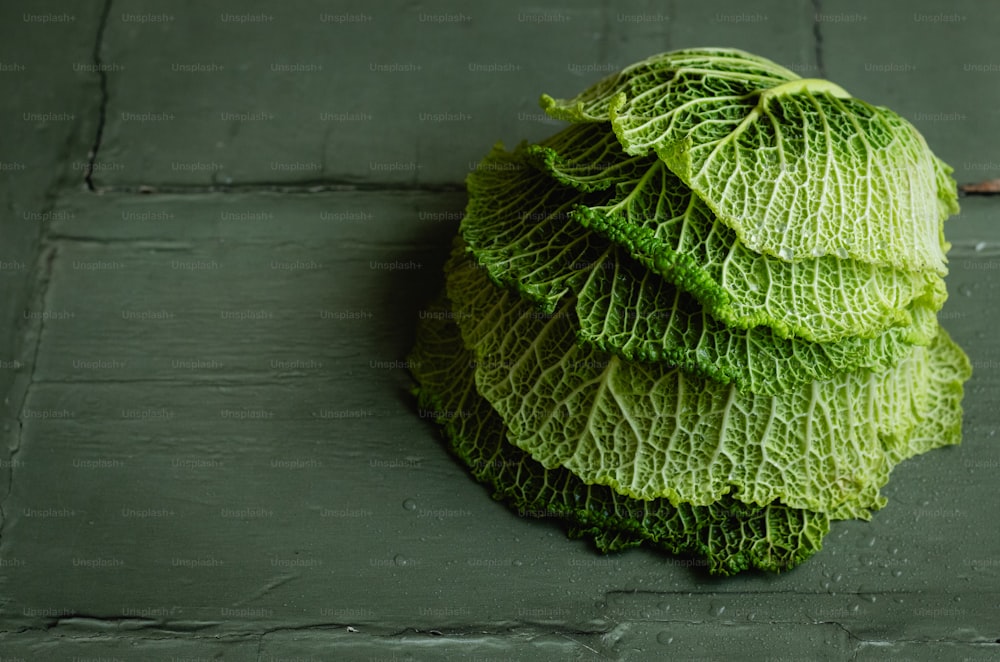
x=208, y=447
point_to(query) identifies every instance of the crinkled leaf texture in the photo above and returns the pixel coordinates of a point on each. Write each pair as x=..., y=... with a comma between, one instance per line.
x=673, y=232
x=727, y=536
x=653, y=431
x=522, y=227
x=796, y=167
x=702, y=317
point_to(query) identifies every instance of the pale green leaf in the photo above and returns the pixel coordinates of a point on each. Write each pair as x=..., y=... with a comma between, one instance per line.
x=650, y=431
x=671, y=231
x=520, y=230
x=797, y=168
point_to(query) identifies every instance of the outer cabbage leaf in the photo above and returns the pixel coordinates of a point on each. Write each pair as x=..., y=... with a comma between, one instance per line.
x=673, y=232
x=517, y=221
x=652, y=431
x=687, y=74
x=940, y=419
x=796, y=167
x=633, y=313
x=520, y=230
x=728, y=536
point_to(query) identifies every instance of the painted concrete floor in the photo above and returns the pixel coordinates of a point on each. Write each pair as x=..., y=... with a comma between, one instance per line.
x=219, y=224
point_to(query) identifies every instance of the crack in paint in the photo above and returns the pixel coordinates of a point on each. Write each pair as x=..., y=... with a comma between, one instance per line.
x=46, y=258
x=103, y=106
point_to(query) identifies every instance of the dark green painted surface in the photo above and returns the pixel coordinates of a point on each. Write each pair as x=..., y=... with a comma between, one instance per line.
x=216, y=456
x=48, y=105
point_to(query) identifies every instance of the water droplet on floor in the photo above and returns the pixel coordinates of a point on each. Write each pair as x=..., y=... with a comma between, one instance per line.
x=981, y=246
x=664, y=638
x=401, y=560
x=410, y=504
x=965, y=290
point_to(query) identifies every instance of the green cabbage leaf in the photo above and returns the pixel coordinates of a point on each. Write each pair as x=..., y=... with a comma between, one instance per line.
x=703, y=317
x=657, y=431
x=797, y=167
x=522, y=227
x=727, y=536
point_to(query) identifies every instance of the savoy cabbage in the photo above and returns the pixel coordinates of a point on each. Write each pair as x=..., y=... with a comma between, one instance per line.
x=703, y=316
